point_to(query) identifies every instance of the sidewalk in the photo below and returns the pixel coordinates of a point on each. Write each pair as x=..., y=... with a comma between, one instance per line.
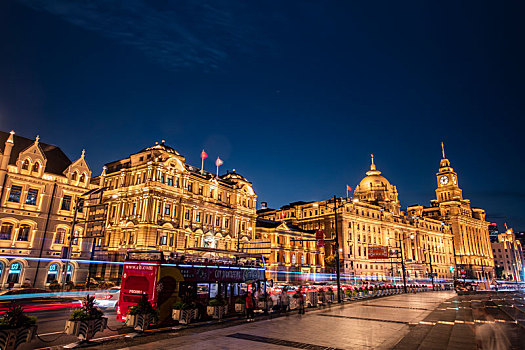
x=373, y=324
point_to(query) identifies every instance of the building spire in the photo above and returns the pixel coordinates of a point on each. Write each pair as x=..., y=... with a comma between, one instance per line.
x=83, y=153
x=443, y=149
x=11, y=138
x=37, y=138
x=372, y=166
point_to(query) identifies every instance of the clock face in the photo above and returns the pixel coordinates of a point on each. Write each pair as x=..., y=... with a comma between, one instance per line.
x=443, y=180
x=454, y=180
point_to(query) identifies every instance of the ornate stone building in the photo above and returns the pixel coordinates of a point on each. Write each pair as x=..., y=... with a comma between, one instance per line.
x=291, y=254
x=508, y=257
x=373, y=218
x=157, y=201
x=40, y=186
x=471, y=236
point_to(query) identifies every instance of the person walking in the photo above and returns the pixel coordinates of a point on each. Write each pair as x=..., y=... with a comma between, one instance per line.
x=301, y=301
x=285, y=301
x=249, y=307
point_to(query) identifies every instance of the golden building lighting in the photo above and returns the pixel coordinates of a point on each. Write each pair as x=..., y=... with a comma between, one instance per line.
x=508, y=257
x=157, y=201
x=374, y=218
x=471, y=235
x=40, y=186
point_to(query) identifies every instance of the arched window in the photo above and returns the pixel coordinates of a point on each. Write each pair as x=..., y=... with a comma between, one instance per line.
x=14, y=272
x=82, y=178
x=52, y=273
x=36, y=167
x=25, y=165
x=23, y=233
x=74, y=176
x=59, y=236
x=5, y=231
x=69, y=273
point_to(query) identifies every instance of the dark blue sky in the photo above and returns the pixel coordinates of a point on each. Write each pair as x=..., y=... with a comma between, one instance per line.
x=294, y=95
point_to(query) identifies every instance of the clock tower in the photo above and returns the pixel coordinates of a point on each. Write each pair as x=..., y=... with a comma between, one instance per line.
x=447, y=181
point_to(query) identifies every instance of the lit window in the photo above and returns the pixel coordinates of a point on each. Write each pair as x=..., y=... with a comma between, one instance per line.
x=15, y=193
x=5, y=231
x=198, y=217
x=25, y=164
x=52, y=273
x=66, y=203
x=32, y=195
x=167, y=209
x=14, y=273
x=23, y=233
x=164, y=239
x=74, y=176
x=36, y=167
x=82, y=178
x=59, y=236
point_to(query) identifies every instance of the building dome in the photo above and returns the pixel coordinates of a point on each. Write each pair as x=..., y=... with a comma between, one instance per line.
x=376, y=189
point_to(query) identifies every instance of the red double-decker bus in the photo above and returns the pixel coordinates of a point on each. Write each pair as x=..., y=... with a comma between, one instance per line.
x=167, y=280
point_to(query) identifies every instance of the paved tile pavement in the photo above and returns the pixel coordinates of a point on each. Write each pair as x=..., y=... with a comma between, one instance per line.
x=373, y=324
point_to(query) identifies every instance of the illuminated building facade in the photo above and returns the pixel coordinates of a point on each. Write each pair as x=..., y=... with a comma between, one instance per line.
x=40, y=186
x=471, y=234
x=157, y=201
x=508, y=257
x=373, y=218
x=493, y=232
x=291, y=254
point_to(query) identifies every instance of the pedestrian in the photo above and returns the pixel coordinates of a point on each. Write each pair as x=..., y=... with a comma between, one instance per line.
x=301, y=301
x=285, y=301
x=322, y=297
x=249, y=307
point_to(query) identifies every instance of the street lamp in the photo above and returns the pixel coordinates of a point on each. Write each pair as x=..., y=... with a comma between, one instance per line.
x=337, y=250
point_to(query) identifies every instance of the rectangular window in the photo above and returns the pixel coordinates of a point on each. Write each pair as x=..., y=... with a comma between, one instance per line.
x=170, y=181
x=226, y=223
x=212, y=193
x=66, y=203
x=32, y=195
x=134, y=211
x=177, y=182
x=163, y=239
x=167, y=209
x=228, y=199
x=159, y=208
x=162, y=178
x=5, y=231
x=217, y=221
x=190, y=187
x=201, y=190
x=187, y=215
x=219, y=196
x=15, y=193
x=198, y=217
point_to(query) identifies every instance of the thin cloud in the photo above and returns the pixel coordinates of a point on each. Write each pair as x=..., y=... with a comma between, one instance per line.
x=176, y=35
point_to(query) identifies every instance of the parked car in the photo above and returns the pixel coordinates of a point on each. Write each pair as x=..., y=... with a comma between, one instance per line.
x=108, y=298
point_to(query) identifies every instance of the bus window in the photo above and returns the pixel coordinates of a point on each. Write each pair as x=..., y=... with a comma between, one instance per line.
x=203, y=289
x=214, y=289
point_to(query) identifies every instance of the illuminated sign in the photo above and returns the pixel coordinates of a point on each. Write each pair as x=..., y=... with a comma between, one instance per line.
x=378, y=252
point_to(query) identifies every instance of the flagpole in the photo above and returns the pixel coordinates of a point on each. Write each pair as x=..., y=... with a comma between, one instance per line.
x=202, y=165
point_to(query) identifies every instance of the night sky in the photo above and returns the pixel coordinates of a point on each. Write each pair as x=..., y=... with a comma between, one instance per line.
x=294, y=95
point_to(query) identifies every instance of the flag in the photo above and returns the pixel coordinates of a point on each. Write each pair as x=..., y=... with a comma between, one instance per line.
x=203, y=156
x=348, y=188
x=218, y=163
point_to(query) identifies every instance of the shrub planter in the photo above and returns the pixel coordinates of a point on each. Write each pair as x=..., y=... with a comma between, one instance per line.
x=216, y=312
x=85, y=330
x=184, y=316
x=139, y=322
x=11, y=339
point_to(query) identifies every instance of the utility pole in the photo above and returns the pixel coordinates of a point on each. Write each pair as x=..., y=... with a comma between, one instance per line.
x=431, y=269
x=79, y=204
x=336, y=247
x=403, y=265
